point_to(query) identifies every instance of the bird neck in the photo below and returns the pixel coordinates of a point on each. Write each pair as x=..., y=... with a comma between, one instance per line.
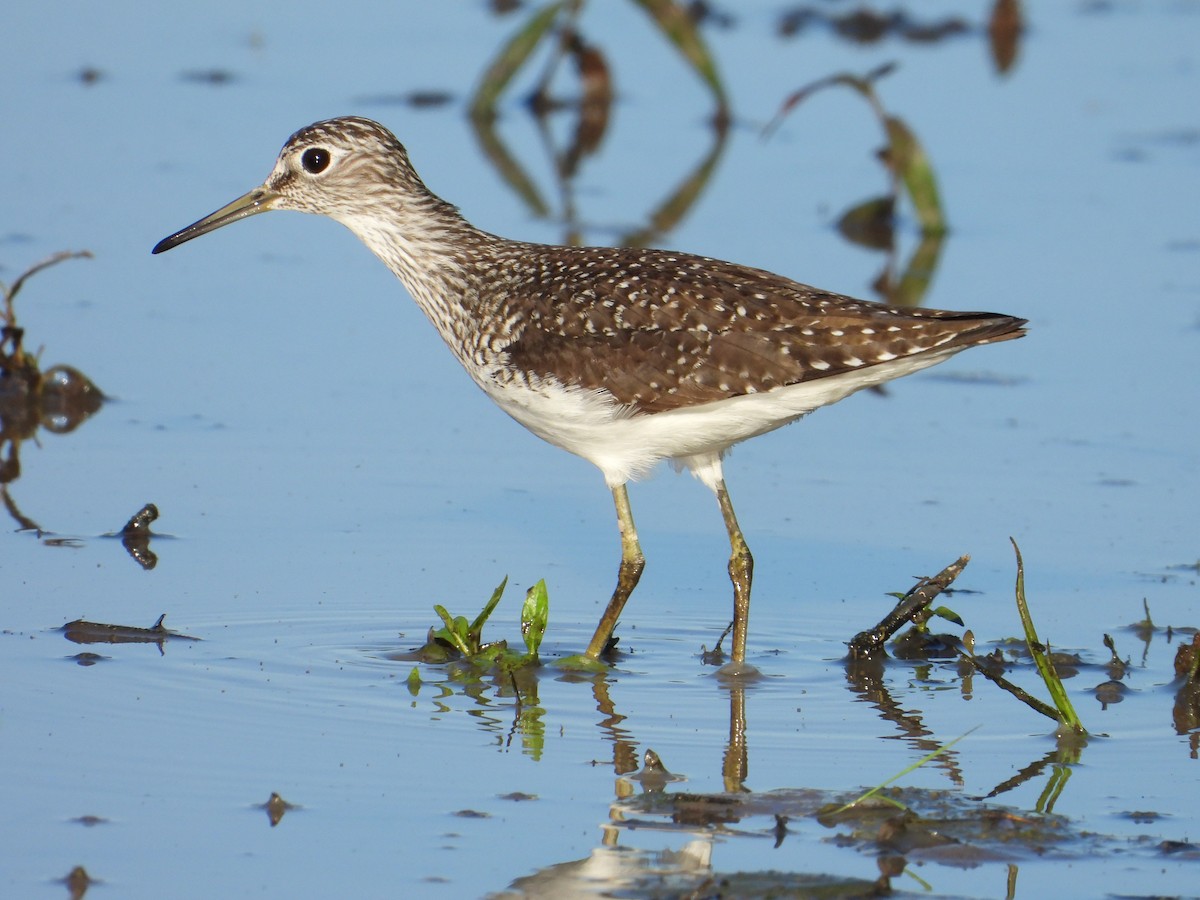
x=435, y=253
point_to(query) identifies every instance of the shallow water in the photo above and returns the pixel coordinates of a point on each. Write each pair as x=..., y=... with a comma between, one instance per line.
x=326, y=474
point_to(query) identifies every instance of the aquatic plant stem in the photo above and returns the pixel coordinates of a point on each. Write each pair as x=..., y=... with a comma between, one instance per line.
x=1067, y=717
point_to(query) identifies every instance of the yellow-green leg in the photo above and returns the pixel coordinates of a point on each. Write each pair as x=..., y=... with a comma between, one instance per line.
x=632, y=563
x=741, y=573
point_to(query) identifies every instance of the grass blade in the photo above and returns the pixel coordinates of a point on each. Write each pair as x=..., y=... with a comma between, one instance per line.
x=937, y=751
x=476, y=630
x=1067, y=716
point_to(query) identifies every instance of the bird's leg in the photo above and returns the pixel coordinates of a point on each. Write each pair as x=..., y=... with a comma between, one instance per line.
x=632, y=563
x=741, y=573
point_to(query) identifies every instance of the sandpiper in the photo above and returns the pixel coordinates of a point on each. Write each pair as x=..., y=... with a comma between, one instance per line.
x=622, y=356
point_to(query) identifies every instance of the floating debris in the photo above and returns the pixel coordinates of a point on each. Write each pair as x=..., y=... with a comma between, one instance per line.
x=653, y=776
x=471, y=814
x=83, y=632
x=135, y=537
x=276, y=807
x=78, y=881
x=865, y=26
x=89, y=75
x=428, y=99
x=90, y=821
x=140, y=523
x=216, y=77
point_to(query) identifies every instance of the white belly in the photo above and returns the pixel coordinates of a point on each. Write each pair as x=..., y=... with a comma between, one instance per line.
x=626, y=445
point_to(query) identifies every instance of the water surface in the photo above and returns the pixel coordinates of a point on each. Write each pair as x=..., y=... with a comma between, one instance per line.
x=326, y=473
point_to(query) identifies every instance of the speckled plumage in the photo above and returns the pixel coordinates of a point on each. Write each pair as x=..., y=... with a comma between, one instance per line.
x=622, y=356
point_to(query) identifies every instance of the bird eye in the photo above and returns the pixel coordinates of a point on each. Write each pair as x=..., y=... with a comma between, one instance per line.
x=315, y=160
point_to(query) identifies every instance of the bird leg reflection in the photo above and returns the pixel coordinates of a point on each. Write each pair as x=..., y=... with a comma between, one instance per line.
x=632, y=563
x=741, y=573
x=735, y=765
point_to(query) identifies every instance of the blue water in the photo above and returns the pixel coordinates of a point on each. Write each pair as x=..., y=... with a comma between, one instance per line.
x=329, y=474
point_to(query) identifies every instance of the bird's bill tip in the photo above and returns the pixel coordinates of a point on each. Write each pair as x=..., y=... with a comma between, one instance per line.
x=256, y=201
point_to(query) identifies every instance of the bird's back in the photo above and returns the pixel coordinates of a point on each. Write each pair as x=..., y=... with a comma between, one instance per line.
x=660, y=330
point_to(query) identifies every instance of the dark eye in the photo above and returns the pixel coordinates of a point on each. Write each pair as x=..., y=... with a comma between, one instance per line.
x=315, y=160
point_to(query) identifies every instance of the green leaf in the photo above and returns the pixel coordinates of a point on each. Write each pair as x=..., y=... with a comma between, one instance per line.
x=414, y=681
x=476, y=630
x=491, y=654
x=945, y=612
x=455, y=632
x=535, y=613
x=511, y=58
x=446, y=618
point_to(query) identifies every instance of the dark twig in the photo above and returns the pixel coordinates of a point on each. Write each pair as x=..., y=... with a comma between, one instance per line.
x=910, y=607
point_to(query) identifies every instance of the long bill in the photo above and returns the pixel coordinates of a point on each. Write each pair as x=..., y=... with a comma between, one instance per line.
x=257, y=201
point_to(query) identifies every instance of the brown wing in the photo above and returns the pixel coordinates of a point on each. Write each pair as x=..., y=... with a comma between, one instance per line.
x=661, y=330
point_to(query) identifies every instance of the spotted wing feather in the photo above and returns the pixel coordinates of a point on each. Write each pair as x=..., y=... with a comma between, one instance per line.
x=660, y=330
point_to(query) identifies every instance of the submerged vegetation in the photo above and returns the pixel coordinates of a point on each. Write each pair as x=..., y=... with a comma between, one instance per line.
x=459, y=639
x=471, y=661
x=905, y=828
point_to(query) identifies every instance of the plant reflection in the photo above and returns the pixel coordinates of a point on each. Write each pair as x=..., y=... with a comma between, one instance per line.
x=58, y=399
x=866, y=682
x=1185, y=714
x=557, y=25
x=863, y=25
x=898, y=827
x=895, y=826
x=870, y=223
x=658, y=221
